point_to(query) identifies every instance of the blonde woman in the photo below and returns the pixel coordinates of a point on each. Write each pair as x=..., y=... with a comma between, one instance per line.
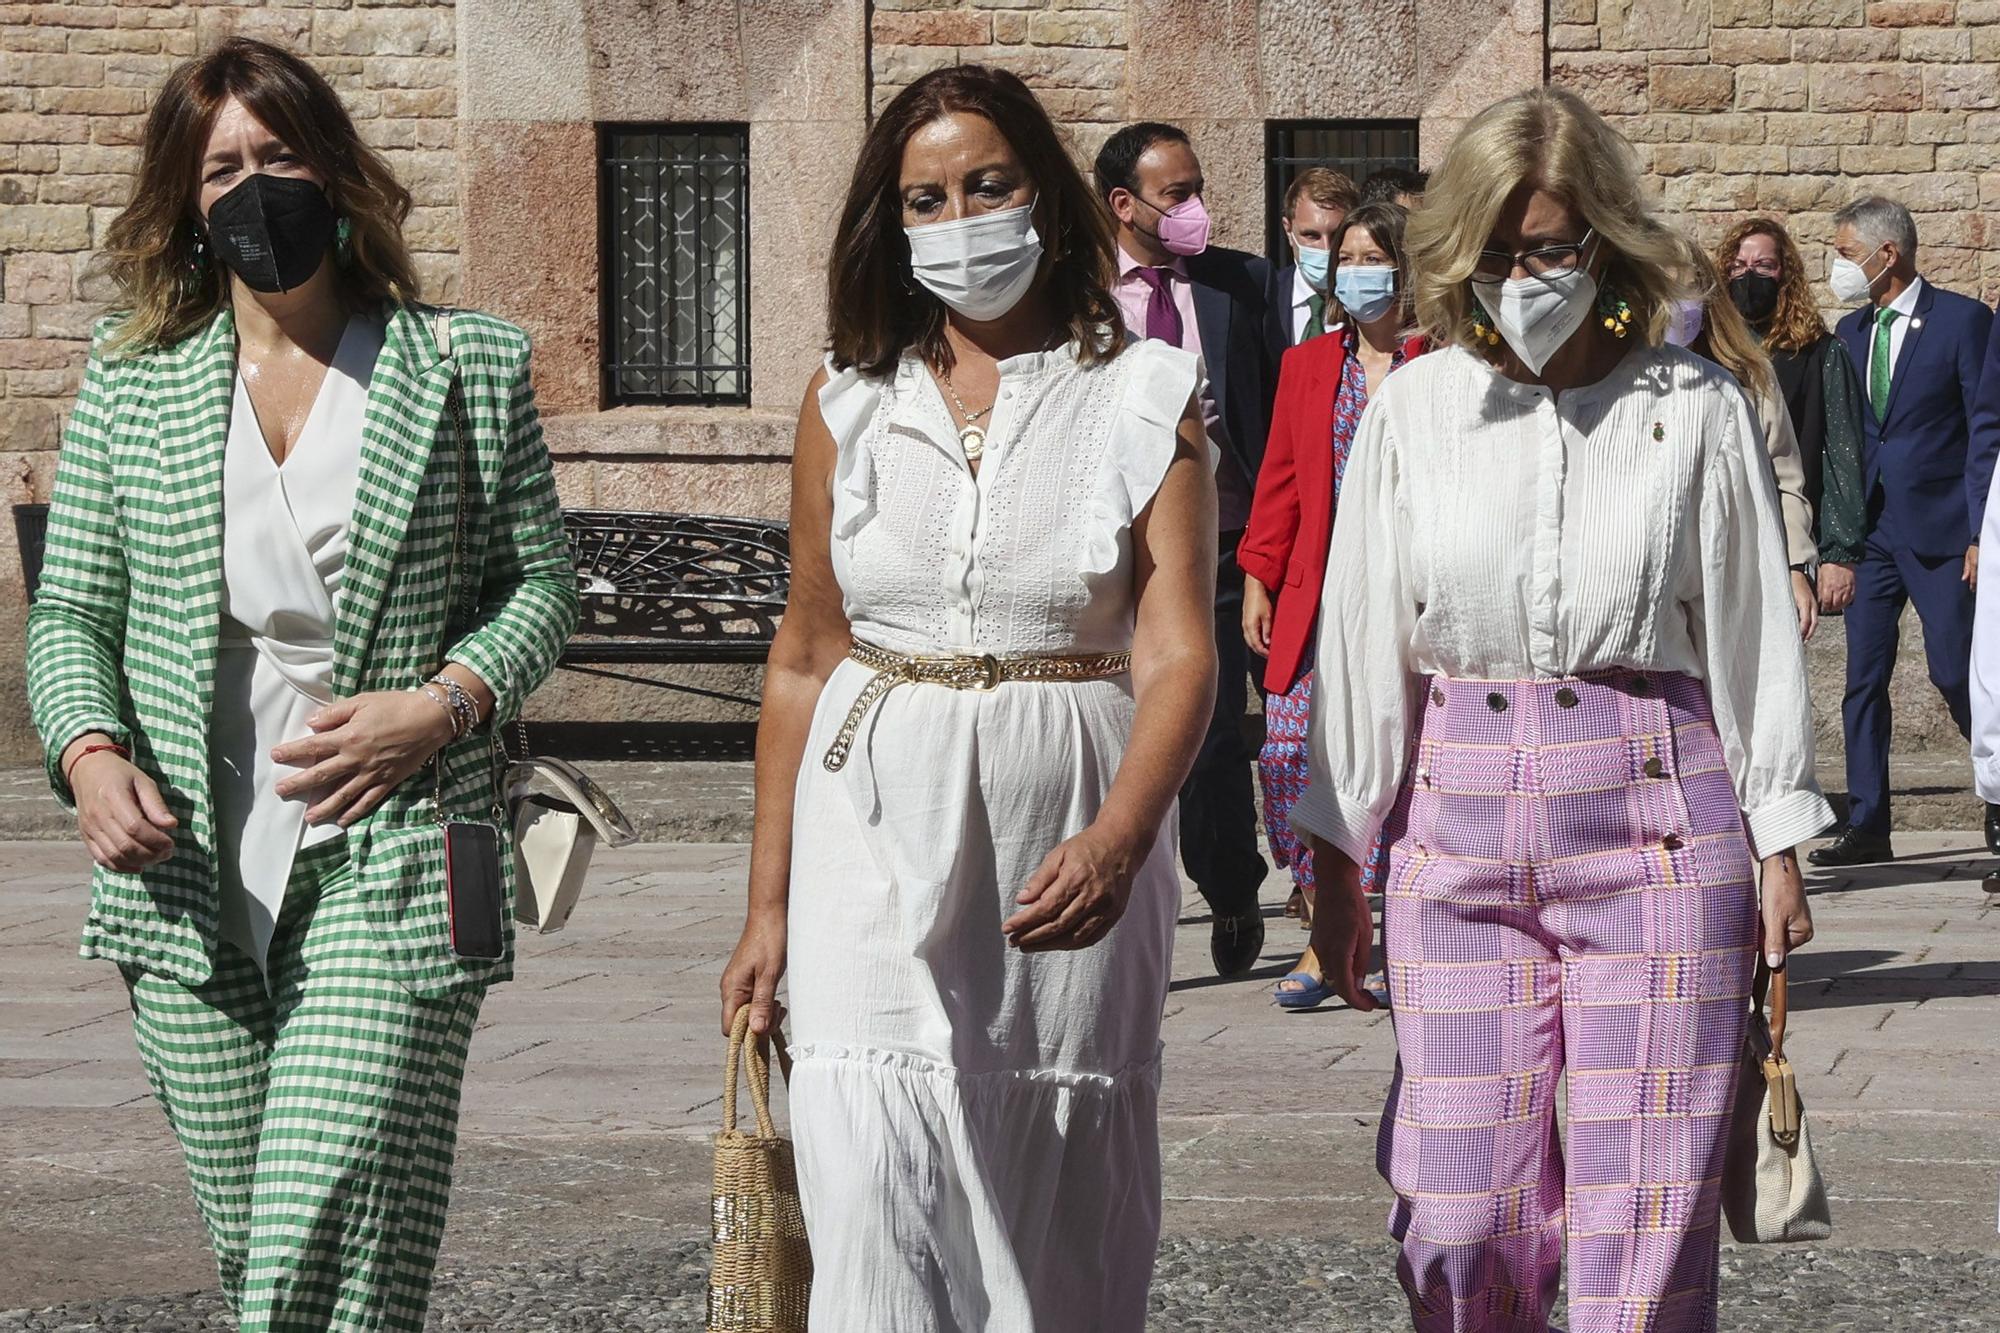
x=1561, y=676
x=280, y=501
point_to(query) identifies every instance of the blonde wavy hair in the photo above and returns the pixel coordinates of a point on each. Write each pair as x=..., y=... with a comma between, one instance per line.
x=150, y=247
x=1550, y=139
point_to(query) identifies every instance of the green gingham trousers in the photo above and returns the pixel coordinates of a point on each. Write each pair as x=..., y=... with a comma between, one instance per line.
x=318, y=1119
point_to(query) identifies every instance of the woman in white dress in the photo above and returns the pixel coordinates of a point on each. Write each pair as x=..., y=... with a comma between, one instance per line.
x=990, y=682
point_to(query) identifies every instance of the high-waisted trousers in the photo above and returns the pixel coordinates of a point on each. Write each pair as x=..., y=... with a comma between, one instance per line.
x=318, y=1120
x=1570, y=891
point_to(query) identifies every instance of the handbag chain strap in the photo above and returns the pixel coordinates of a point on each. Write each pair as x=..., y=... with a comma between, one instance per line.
x=459, y=588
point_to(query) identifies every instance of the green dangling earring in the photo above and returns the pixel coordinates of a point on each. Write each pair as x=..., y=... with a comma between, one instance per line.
x=343, y=243
x=1483, y=325
x=1615, y=312
x=194, y=269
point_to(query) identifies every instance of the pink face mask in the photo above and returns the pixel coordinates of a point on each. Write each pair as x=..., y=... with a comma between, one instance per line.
x=1183, y=228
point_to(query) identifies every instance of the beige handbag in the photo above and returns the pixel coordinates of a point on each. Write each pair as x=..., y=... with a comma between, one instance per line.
x=554, y=832
x=1771, y=1186
x=761, y=1281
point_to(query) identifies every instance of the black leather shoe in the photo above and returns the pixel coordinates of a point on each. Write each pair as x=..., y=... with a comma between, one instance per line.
x=1236, y=941
x=1855, y=848
x=1993, y=829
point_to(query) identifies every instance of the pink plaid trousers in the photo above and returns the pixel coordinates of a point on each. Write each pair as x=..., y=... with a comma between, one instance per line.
x=1569, y=889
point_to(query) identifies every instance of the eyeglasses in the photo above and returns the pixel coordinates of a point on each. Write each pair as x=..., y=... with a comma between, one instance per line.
x=1770, y=268
x=1551, y=261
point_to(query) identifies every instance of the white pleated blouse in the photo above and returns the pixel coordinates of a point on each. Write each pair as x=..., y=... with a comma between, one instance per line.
x=1491, y=530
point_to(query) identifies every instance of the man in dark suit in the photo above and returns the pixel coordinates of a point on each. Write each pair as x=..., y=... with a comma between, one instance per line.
x=1918, y=350
x=1173, y=285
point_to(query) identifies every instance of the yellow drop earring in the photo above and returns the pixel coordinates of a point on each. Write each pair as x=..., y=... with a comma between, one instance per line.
x=1616, y=312
x=1483, y=329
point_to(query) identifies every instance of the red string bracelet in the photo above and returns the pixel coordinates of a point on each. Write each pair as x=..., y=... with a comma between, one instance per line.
x=89, y=750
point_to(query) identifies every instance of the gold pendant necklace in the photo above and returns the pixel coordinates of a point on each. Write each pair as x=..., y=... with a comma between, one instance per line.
x=971, y=437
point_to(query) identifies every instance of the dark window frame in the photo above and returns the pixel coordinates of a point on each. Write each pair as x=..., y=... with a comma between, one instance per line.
x=720, y=382
x=1284, y=158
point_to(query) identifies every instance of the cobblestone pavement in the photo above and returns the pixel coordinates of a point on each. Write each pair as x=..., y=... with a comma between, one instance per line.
x=583, y=1177
x=1268, y=1285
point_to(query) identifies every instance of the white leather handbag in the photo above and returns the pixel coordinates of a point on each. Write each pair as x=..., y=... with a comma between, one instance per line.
x=555, y=832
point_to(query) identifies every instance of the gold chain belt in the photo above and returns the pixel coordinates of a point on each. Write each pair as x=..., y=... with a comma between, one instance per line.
x=984, y=672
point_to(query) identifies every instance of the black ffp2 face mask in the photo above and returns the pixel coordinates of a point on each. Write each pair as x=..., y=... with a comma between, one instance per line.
x=272, y=231
x=1755, y=295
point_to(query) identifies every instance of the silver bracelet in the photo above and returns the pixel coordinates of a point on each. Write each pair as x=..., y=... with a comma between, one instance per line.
x=461, y=701
x=457, y=723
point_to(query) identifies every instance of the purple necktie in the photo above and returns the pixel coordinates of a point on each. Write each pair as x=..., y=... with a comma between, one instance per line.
x=1163, y=317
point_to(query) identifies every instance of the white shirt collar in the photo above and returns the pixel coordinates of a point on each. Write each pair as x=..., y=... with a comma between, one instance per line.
x=1905, y=304
x=1302, y=291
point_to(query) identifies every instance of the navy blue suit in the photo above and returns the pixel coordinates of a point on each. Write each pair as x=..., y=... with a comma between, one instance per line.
x=1926, y=486
x=1218, y=808
x=1232, y=294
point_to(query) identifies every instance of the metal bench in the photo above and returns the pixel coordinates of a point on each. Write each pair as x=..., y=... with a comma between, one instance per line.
x=658, y=589
x=669, y=589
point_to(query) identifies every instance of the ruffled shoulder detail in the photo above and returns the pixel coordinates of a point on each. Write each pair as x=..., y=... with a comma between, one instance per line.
x=847, y=404
x=1159, y=380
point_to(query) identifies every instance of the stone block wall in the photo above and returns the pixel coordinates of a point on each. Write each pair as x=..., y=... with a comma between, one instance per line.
x=1074, y=54
x=1793, y=107
x=75, y=81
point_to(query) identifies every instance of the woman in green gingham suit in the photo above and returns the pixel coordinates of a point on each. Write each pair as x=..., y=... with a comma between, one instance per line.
x=310, y=1067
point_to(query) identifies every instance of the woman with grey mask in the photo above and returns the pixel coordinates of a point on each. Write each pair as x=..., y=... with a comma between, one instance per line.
x=992, y=677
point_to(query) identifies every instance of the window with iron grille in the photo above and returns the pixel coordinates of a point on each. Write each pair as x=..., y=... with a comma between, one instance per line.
x=1356, y=148
x=676, y=259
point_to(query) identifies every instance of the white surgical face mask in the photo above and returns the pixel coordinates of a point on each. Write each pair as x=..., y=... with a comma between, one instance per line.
x=1849, y=280
x=1537, y=315
x=981, y=266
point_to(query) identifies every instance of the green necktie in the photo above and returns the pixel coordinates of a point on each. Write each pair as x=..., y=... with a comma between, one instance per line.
x=1878, y=365
x=1315, y=316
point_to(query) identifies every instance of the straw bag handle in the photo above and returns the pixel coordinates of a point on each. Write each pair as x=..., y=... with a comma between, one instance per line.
x=742, y=1049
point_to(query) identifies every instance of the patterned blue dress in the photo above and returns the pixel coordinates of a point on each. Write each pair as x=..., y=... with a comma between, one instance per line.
x=1281, y=765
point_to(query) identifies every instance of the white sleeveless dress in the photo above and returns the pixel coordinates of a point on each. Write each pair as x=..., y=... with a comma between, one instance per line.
x=977, y=1127
x=284, y=547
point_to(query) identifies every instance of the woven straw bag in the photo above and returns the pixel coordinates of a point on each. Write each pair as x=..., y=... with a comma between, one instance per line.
x=762, y=1278
x=1771, y=1186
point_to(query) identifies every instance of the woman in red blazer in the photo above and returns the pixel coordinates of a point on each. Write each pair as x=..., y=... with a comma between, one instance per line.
x=1323, y=385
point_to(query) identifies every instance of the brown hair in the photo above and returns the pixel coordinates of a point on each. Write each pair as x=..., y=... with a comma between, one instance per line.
x=150, y=248
x=1796, y=324
x=1384, y=222
x=877, y=311
x=1324, y=186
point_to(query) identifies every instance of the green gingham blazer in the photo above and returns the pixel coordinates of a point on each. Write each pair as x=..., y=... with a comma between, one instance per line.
x=123, y=633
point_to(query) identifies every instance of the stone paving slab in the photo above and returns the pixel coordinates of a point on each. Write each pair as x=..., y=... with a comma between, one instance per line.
x=581, y=1194
x=709, y=800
